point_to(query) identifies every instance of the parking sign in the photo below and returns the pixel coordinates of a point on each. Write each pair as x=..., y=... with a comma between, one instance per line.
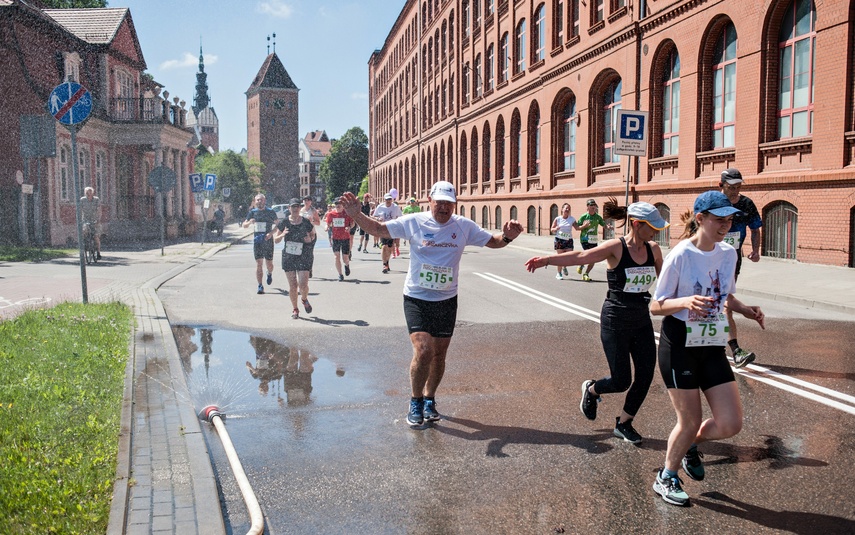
x=196, y=182
x=631, y=135
x=210, y=181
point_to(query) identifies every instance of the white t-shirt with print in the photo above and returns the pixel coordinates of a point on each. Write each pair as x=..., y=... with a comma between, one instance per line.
x=436, y=245
x=388, y=213
x=689, y=271
x=565, y=227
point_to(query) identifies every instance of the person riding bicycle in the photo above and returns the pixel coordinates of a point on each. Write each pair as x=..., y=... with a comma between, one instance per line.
x=90, y=213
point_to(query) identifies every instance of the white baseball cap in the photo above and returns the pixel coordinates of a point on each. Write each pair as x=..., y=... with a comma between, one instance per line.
x=443, y=191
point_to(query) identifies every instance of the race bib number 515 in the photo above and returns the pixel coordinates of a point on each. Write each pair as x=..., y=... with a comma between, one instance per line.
x=435, y=277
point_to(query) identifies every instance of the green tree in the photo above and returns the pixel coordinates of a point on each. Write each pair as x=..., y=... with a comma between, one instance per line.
x=63, y=4
x=363, y=188
x=233, y=171
x=347, y=164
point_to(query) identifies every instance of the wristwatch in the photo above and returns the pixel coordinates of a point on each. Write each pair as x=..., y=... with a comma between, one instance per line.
x=506, y=239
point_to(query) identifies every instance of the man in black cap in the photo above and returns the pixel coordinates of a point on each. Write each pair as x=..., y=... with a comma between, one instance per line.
x=749, y=219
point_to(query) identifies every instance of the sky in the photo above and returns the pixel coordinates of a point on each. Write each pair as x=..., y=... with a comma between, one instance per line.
x=325, y=46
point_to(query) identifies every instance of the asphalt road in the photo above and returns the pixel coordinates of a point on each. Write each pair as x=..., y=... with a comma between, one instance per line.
x=316, y=409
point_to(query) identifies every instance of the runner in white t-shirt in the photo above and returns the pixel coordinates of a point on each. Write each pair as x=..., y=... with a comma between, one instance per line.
x=437, y=239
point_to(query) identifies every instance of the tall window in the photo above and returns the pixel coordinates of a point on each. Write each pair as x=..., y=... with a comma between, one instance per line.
x=476, y=13
x=486, y=150
x=796, y=41
x=473, y=151
x=83, y=169
x=485, y=217
x=519, y=47
x=611, y=105
x=568, y=122
x=724, y=89
x=451, y=34
x=538, y=37
x=463, y=149
x=504, y=59
x=558, y=24
x=573, y=10
x=534, y=141
x=465, y=22
x=489, y=68
x=465, y=83
x=516, y=145
x=671, y=105
x=500, y=149
x=124, y=95
x=479, y=85
x=491, y=7
x=100, y=185
x=598, y=11
x=497, y=221
x=780, y=230
x=444, y=41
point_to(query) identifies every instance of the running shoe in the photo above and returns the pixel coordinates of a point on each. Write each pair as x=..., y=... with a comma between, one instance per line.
x=693, y=465
x=358, y=248
x=558, y=276
x=307, y=306
x=626, y=431
x=385, y=268
x=260, y=289
x=670, y=490
x=429, y=411
x=742, y=358
x=365, y=250
x=588, y=405
x=347, y=270
x=564, y=269
x=397, y=251
x=340, y=277
x=579, y=270
x=295, y=314
x=97, y=255
x=586, y=277
x=269, y=279
x=416, y=414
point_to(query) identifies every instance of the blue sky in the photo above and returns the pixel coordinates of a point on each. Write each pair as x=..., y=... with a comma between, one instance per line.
x=324, y=44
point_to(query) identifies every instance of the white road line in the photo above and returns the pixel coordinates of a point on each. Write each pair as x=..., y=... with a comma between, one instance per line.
x=758, y=373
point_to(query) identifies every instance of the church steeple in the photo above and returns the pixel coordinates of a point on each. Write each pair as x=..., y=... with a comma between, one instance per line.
x=201, y=100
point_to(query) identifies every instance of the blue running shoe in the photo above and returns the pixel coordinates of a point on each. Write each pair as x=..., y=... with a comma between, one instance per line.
x=429, y=411
x=670, y=490
x=260, y=289
x=416, y=415
x=269, y=279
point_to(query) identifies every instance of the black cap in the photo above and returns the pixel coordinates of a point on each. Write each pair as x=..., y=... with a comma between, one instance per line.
x=294, y=202
x=732, y=176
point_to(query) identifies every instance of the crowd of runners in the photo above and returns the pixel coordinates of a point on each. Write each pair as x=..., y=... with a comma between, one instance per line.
x=694, y=292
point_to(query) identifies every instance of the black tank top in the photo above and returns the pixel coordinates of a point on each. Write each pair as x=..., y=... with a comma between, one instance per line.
x=617, y=275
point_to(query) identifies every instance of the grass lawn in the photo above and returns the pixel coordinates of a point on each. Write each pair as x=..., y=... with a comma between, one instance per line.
x=32, y=254
x=61, y=385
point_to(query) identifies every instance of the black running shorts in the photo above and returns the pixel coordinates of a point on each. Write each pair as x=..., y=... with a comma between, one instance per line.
x=690, y=368
x=437, y=318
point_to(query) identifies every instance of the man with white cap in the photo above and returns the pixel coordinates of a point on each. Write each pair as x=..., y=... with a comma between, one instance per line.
x=731, y=183
x=387, y=212
x=437, y=240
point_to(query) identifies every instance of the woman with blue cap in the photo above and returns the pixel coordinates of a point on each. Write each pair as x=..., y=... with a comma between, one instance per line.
x=626, y=329
x=697, y=282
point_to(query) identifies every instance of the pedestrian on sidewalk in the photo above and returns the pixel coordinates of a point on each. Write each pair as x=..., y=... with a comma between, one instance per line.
x=90, y=214
x=299, y=234
x=562, y=227
x=589, y=225
x=262, y=219
x=338, y=223
x=437, y=240
x=626, y=330
x=697, y=281
x=731, y=183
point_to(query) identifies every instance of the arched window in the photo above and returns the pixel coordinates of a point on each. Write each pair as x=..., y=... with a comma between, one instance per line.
x=531, y=220
x=504, y=58
x=500, y=149
x=444, y=40
x=450, y=161
x=514, y=213
x=663, y=237
x=472, y=213
x=519, y=48
x=498, y=219
x=485, y=217
x=486, y=156
x=516, y=145
x=100, y=172
x=796, y=41
x=463, y=148
x=611, y=105
x=462, y=211
x=724, y=89
x=538, y=33
x=534, y=140
x=441, y=175
x=451, y=34
x=671, y=105
x=553, y=213
x=567, y=135
x=473, y=159
x=780, y=230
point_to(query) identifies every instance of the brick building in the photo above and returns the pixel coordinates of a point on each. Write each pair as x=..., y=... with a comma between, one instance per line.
x=314, y=148
x=132, y=129
x=515, y=101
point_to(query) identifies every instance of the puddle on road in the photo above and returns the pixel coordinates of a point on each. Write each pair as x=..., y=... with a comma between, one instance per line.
x=243, y=373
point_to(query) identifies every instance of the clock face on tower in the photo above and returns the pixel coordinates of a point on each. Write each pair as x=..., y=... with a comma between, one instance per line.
x=279, y=104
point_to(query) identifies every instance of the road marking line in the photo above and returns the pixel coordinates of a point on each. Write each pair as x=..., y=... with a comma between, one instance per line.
x=758, y=373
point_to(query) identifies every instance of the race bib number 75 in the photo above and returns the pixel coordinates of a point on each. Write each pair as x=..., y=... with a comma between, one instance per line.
x=708, y=331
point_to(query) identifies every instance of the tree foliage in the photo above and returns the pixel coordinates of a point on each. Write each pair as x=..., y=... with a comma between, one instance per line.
x=347, y=164
x=233, y=171
x=65, y=4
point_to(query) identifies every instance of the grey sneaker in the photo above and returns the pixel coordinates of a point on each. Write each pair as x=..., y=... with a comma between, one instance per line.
x=741, y=358
x=693, y=465
x=626, y=431
x=588, y=405
x=416, y=415
x=670, y=490
x=429, y=411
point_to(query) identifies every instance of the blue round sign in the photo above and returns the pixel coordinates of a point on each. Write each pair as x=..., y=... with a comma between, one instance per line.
x=70, y=103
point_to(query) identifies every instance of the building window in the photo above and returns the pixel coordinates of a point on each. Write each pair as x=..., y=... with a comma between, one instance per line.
x=534, y=140
x=500, y=149
x=486, y=154
x=465, y=83
x=796, y=41
x=516, y=145
x=519, y=47
x=83, y=169
x=780, y=230
x=463, y=154
x=531, y=220
x=504, y=58
x=63, y=173
x=479, y=88
x=724, y=89
x=611, y=105
x=568, y=135
x=663, y=237
x=671, y=106
x=491, y=7
x=485, y=217
x=558, y=24
x=497, y=220
x=489, y=68
x=538, y=30
x=125, y=103
x=465, y=21
x=473, y=160
x=100, y=186
x=573, y=12
x=597, y=11
x=514, y=213
x=476, y=17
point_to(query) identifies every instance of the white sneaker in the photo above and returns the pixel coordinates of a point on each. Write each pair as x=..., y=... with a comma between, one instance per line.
x=559, y=277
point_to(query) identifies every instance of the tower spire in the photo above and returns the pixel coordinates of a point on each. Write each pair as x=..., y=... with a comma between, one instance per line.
x=201, y=100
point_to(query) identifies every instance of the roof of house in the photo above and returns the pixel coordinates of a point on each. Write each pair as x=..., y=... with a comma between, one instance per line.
x=272, y=75
x=317, y=143
x=96, y=26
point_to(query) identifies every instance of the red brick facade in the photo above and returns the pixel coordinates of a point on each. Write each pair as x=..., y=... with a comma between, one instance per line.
x=423, y=123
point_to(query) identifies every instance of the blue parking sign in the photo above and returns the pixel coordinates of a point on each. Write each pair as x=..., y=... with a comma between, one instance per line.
x=196, y=183
x=210, y=181
x=631, y=135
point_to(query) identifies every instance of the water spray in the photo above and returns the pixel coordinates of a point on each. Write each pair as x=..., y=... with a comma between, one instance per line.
x=213, y=415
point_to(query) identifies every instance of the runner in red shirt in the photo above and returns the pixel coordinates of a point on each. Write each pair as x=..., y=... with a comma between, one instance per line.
x=340, y=223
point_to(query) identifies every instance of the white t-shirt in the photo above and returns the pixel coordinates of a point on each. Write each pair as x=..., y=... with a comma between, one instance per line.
x=689, y=271
x=388, y=213
x=565, y=227
x=435, y=248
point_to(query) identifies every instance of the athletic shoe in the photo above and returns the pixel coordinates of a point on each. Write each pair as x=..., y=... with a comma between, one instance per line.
x=588, y=405
x=429, y=411
x=307, y=306
x=564, y=269
x=693, y=465
x=626, y=431
x=385, y=268
x=365, y=250
x=260, y=289
x=347, y=270
x=97, y=255
x=340, y=277
x=397, y=251
x=586, y=277
x=579, y=270
x=742, y=358
x=295, y=314
x=358, y=248
x=559, y=277
x=670, y=490
x=269, y=279
x=416, y=414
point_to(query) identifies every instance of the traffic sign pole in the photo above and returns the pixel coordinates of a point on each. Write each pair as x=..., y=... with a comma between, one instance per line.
x=76, y=179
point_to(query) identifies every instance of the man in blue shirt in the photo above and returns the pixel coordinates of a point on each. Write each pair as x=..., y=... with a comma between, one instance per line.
x=262, y=219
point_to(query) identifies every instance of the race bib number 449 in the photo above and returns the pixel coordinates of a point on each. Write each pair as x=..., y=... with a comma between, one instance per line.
x=436, y=277
x=639, y=279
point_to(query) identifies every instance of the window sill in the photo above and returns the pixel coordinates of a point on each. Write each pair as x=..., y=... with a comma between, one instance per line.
x=517, y=76
x=596, y=27
x=618, y=14
x=573, y=41
x=555, y=51
x=535, y=66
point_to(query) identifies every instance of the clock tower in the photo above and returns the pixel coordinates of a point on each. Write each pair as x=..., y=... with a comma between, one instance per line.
x=272, y=111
